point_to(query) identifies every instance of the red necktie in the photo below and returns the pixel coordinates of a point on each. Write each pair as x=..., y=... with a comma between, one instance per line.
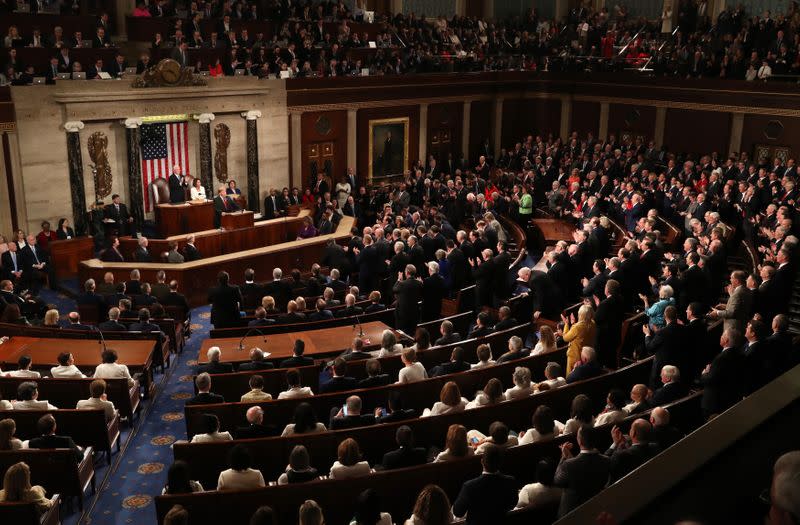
x=225, y=200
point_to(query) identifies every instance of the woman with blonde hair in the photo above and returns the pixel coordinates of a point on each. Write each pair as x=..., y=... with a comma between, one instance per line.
x=547, y=341
x=51, y=318
x=522, y=384
x=578, y=334
x=450, y=401
x=17, y=487
x=268, y=302
x=7, y=439
x=456, y=443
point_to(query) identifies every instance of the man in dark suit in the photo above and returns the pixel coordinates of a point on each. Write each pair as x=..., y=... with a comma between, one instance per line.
x=255, y=427
x=142, y=254
x=695, y=283
x=504, y=319
x=113, y=324
x=350, y=308
x=339, y=382
x=722, y=378
x=256, y=362
x=609, y=317
x=483, y=271
x=49, y=439
x=144, y=324
x=626, y=457
x=177, y=186
x=666, y=344
x=455, y=364
x=271, y=205
x=204, y=395
x=487, y=498
x=225, y=302
x=292, y=315
x=321, y=312
x=350, y=416
x=663, y=434
x=356, y=351
x=223, y=204
x=448, y=335
x=481, y=327
x=278, y=289
x=174, y=298
x=583, y=475
x=190, y=251
x=36, y=266
x=252, y=292
x=90, y=297
x=406, y=455
x=334, y=256
x=368, y=264
x=297, y=359
x=673, y=388
x=457, y=264
x=501, y=263
x=408, y=292
x=261, y=319
x=374, y=376
x=587, y=367
x=214, y=365
x=118, y=212
x=433, y=292
x=13, y=267
x=547, y=296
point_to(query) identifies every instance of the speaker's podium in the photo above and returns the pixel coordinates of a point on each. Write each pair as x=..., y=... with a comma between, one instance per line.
x=237, y=219
x=188, y=217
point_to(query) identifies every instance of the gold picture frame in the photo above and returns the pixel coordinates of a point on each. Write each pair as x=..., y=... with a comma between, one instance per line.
x=382, y=131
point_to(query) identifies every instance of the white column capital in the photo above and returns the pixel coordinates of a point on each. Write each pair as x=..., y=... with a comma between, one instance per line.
x=73, y=126
x=132, y=123
x=253, y=114
x=205, y=118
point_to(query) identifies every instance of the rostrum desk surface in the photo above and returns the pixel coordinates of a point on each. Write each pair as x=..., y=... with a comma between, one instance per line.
x=322, y=341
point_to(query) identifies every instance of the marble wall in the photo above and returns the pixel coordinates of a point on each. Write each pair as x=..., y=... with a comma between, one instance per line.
x=41, y=111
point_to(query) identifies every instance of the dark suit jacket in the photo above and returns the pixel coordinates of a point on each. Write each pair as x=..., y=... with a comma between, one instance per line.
x=408, y=294
x=320, y=315
x=54, y=441
x=625, y=461
x=668, y=393
x=585, y=371
x=190, y=253
x=404, y=457
x=297, y=361
x=433, y=291
x=722, y=384
x=339, y=384
x=112, y=326
x=450, y=367
x=176, y=299
x=668, y=346
x=255, y=323
x=206, y=399
x=256, y=431
x=177, y=192
x=215, y=367
x=339, y=423
x=225, y=301
x=581, y=477
x=378, y=380
x=486, y=499
x=448, y=339
x=255, y=365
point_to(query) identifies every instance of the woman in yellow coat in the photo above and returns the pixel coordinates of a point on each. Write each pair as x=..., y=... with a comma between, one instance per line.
x=580, y=334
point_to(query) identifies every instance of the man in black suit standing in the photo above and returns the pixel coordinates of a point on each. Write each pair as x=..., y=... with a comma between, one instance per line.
x=666, y=344
x=297, y=359
x=609, y=317
x=204, y=395
x=173, y=298
x=406, y=455
x=142, y=254
x=433, y=292
x=487, y=498
x=368, y=264
x=252, y=292
x=722, y=378
x=501, y=263
x=177, y=186
x=36, y=266
x=583, y=475
x=483, y=271
x=225, y=302
x=49, y=439
x=408, y=292
x=223, y=204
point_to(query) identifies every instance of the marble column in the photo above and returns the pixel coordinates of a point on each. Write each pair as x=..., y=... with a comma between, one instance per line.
x=75, y=161
x=497, y=126
x=253, y=192
x=661, y=124
x=602, y=129
x=352, y=138
x=296, y=141
x=135, y=195
x=465, y=123
x=204, y=120
x=566, y=116
x=423, y=134
x=737, y=126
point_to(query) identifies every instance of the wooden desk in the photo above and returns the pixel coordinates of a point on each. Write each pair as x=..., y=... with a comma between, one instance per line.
x=236, y=220
x=280, y=346
x=196, y=277
x=220, y=242
x=174, y=219
x=136, y=355
x=66, y=255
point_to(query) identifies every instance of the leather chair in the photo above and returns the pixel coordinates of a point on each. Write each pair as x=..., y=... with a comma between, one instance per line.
x=159, y=191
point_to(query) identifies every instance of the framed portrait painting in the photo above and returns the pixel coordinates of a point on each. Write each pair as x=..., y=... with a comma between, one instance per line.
x=388, y=147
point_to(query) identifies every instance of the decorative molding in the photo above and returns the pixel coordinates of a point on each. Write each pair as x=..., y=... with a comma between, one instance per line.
x=384, y=103
x=222, y=134
x=97, y=146
x=135, y=183
x=253, y=114
x=253, y=189
x=168, y=73
x=205, y=118
x=73, y=126
x=8, y=127
x=132, y=123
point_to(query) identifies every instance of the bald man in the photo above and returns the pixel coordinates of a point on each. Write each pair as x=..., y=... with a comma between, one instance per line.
x=627, y=456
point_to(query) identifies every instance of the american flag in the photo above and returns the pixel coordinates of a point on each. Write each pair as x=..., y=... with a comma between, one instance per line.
x=163, y=146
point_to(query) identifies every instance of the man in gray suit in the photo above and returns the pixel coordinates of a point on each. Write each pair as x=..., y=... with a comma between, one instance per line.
x=180, y=54
x=740, y=303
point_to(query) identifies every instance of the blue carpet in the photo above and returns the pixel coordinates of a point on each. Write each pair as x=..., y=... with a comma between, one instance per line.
x=138, y=473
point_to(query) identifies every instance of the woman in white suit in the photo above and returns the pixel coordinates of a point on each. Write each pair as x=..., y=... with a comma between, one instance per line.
x=197, y=191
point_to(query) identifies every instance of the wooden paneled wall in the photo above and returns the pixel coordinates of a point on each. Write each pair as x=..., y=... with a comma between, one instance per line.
x=445, y=129
x=693, y=131
x=324, y=138
x=639, y=120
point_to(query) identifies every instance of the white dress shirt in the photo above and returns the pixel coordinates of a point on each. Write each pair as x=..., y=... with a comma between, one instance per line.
x=412, y=373
x=296, y=392
x=113, y=371
x=96, y=402
x=68, y=371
